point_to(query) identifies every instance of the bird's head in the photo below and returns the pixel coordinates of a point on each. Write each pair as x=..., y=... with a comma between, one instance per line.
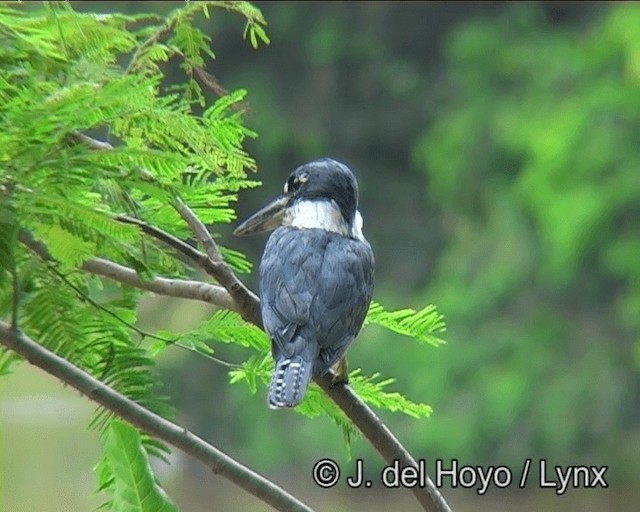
x=322, y=194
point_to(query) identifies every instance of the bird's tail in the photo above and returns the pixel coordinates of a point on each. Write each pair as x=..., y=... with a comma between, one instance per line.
x=289, y=382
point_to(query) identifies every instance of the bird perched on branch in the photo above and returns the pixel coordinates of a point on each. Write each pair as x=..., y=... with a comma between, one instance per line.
x=316, y=276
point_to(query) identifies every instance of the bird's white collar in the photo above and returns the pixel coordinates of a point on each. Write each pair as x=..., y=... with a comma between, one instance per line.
x=322, y=215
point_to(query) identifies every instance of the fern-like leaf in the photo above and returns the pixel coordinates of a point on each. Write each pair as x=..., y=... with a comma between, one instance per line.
x=229, y=327
x=420, y=325
x=372, y=390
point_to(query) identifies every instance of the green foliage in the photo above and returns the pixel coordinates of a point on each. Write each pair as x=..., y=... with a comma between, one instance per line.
x=64, y=75
x=374, y=393
x=8, y=239
x=60, y=77
x=533, y=161
x=229, y=327
x=134, y=486
x=420, y=325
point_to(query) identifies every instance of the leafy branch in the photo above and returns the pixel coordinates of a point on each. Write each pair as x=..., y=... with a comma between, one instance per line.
x=219, y=462
x=247, y=304
x=76, y=210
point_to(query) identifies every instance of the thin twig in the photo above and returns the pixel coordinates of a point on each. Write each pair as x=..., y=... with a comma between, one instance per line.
x=129, y=325
x=175, y=435
x=199, y=229
x=247, y=303
x=210, y=81
x=154, y=38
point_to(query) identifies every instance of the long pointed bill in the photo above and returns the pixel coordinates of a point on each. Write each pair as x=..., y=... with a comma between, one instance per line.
x=268, y=218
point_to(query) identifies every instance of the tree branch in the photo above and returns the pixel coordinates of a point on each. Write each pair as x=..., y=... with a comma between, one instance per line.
x=247, y=305
x=199, y=229
x=97, y=145
x=211, y=83
x=185, y=289
x=182, y=288
x=246, y=301
x=175, y=435
x=382, y=439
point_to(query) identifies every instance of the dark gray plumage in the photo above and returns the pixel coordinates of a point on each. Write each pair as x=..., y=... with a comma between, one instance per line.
x=316, y=276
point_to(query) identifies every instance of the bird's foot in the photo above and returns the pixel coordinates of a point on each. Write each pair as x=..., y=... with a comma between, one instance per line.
x=340, y=372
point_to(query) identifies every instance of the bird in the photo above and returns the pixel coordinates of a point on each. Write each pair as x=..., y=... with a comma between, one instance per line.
x=316, y=276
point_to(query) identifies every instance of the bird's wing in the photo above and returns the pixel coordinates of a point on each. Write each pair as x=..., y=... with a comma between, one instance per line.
x=340, y=308
x=315, y=289
x=289, y=269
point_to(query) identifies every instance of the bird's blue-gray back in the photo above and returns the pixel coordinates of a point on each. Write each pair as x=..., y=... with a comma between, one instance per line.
x=315, y=287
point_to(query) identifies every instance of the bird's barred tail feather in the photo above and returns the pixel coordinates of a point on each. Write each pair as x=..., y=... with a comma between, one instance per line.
x=289, y=382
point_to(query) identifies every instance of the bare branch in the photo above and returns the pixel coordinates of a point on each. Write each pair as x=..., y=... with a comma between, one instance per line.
x=199, y=229
x=247, y=302
x=382, y=439
x=185, y=289
x=97, y=145
x=175, y=435
x=197, y=257
x=210, y=82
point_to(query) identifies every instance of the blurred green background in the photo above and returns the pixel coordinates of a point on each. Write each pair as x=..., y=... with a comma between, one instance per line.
x=497, y=147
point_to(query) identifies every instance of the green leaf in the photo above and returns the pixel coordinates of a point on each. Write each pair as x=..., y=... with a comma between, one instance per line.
x=135, y=487
x=260, y=32
x=68, y=249
x=256, y=368
x=236, y=260
x=316, y=403
x=230, y=327
x=420, y=325
x=252, y=37
x=156, y=347
x=372, y=391
x=8, y=360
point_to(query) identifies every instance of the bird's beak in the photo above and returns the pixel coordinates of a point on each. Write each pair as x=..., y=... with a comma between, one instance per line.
x=268, y=218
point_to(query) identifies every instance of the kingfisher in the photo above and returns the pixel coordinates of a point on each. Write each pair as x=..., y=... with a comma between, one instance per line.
x=316, y=276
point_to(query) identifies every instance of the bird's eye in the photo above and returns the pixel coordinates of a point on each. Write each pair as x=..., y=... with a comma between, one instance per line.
x=295, y=182
x=292, y=185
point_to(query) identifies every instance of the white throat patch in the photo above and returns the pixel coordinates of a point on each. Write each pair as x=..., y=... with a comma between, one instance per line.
x=322, y=215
